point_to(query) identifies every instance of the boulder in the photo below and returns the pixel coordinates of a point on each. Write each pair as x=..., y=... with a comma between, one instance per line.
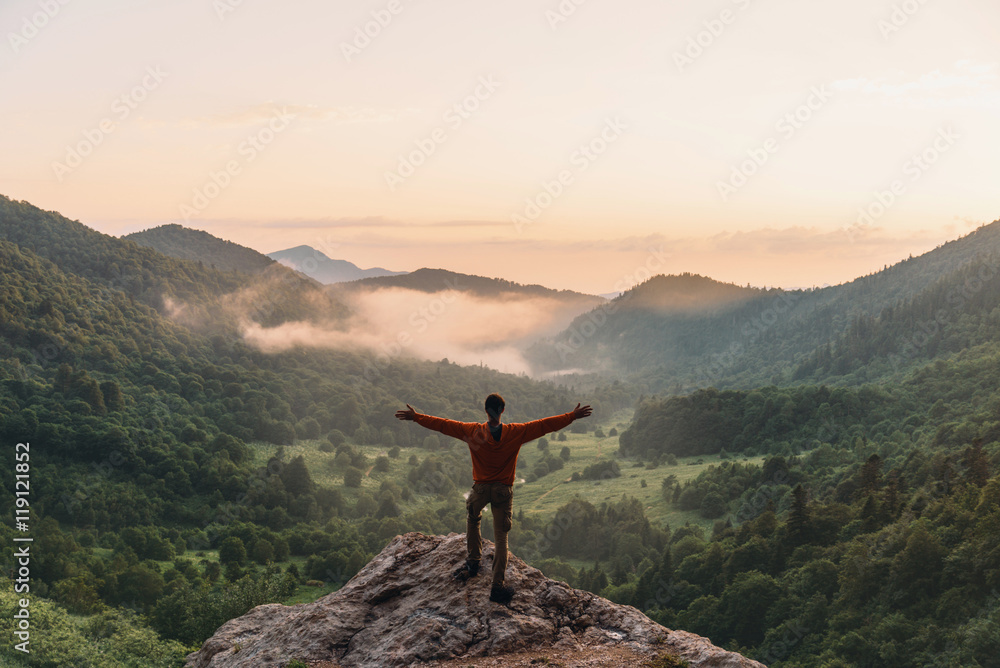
x=406, y=608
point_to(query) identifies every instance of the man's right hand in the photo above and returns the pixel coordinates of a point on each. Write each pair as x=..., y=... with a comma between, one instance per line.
x=412, y=414
x=580, y=412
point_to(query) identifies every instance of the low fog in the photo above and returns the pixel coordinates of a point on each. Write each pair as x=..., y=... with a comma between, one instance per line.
x=464, y=327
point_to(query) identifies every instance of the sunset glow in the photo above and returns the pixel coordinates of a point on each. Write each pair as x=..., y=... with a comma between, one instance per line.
x=562, y=143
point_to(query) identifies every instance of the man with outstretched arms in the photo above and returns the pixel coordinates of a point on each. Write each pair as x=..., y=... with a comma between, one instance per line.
x=494, y=447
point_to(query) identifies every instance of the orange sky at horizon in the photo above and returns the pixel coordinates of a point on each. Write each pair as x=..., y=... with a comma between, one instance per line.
x=770, y=143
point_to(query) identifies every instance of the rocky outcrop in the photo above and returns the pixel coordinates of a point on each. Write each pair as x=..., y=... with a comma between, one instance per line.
x=405, y=607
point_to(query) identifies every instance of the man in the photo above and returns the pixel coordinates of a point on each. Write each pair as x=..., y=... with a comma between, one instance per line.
x=494, y=447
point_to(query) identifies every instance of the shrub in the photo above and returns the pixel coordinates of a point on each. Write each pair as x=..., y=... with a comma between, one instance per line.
x=602, y=470
x=352, y=477
x=232, y=551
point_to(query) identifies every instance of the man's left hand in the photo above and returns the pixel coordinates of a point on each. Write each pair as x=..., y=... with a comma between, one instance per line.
x=407, y=414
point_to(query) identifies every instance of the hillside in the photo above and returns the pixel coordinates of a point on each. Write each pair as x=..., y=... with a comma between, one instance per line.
x=758, y=337
x=326, y=270
x=213, y=300
x=180, y=477
x=959, y=311
x=198, y=246
x=122, y=265
x=124, y=370
x=405, y=608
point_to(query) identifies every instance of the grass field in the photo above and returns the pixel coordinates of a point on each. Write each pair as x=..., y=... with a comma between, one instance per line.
x=545, y=496
x=541, y=497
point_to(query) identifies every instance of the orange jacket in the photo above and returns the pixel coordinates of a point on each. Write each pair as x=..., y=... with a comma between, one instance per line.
x=495, y=461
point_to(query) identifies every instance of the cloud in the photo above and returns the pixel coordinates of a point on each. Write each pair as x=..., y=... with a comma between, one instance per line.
x=465, y=328
x=377, y=222
x=262, y=113
x=966, y=84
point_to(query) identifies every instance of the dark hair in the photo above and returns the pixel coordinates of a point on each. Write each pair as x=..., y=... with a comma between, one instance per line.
x=494, y=405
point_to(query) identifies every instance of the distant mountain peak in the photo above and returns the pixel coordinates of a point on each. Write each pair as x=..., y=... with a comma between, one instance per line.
x=428, y=279
x=317, y=265
x=686, y=292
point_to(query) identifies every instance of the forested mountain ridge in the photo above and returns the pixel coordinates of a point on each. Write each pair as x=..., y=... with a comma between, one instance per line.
x=144, y=409
x=202, y=296
x=760, y=339
x=189, y=244
x=854, y=526
x=959, y=311
x=439, y=280
x=77, y=249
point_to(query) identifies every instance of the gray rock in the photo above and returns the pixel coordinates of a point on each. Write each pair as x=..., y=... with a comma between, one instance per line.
x=405, y=607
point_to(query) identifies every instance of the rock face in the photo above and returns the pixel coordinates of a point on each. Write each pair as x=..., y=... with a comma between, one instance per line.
x=405, y=607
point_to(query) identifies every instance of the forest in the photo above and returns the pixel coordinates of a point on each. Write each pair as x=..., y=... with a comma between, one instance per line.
x=831, y=499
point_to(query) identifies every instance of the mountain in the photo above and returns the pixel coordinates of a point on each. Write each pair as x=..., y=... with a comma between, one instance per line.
x=756, y=336
x=146, y=410
x=482, y=318
x=112, y=262
x=440, y=280
x=406, y=608
x=315, y=264
x=957, y=312
x=845, y=515
x=198, y=246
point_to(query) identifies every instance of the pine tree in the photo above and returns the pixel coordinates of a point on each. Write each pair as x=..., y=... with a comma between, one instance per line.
x=871, y=474
x=798, y=518
x=977, y=464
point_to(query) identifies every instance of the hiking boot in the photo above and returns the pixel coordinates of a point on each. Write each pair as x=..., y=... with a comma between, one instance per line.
x=469, y=569
x=501, y=594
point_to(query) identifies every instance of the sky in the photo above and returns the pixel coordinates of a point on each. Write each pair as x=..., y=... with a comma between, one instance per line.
x=579, y=144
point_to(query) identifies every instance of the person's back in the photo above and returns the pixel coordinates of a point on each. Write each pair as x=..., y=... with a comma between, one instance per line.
x=494, y=447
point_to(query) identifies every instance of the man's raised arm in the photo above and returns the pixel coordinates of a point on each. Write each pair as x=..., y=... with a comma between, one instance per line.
x=538, y=428
x=451, y=428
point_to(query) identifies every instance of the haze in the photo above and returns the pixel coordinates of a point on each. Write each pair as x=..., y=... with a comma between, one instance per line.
x=464, y=328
